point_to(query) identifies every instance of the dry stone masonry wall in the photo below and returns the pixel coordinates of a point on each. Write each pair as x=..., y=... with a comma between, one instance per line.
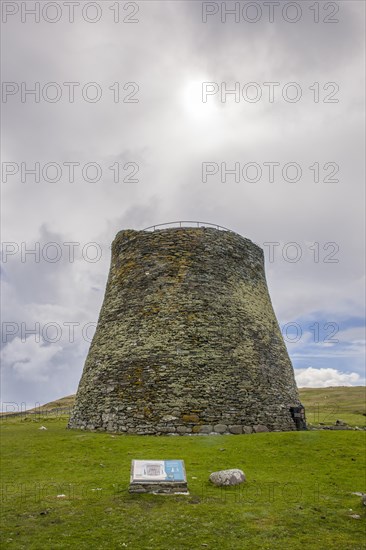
x=187, y=341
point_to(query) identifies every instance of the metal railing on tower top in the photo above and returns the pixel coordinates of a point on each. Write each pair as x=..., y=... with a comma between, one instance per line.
x=187, y=224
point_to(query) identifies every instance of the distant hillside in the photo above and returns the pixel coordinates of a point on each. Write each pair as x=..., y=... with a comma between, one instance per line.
x=326, y=405
x=63, y=402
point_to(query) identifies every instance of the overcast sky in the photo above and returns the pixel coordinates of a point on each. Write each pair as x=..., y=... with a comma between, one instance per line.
x=140, y=106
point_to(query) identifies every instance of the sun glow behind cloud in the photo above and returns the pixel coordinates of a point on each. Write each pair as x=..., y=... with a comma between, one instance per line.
x=192, y=99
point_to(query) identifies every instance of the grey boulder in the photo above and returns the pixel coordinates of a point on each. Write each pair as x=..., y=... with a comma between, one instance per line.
x=227, y=477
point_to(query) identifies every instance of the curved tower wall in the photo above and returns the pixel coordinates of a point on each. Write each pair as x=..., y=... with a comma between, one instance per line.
x=187, y=340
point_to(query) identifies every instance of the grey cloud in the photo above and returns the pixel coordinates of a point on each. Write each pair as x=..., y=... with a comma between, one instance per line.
x=169, y=140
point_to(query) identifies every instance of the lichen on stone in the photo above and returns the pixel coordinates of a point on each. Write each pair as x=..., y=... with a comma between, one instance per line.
x=186, y=326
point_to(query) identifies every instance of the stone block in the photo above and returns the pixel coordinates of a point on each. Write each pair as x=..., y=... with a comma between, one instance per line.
x=206, y=429
x=166, y=429
x=259, y=428
x=220, y=428
x=193, y=418
x=182, y=429
x=237, y=429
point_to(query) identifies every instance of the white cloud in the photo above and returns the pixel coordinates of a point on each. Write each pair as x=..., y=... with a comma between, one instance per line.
x=322, y=378
x=30, y=360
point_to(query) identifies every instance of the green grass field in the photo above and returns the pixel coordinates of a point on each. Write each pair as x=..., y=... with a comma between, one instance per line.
x=297, y=495
x=326, y=405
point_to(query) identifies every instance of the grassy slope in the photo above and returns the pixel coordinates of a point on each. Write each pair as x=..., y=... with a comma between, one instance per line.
x=58, y=404
x=297, y=495
x=329, y=404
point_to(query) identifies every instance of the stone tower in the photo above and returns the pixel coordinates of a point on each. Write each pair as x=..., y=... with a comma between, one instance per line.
x=187, y=340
